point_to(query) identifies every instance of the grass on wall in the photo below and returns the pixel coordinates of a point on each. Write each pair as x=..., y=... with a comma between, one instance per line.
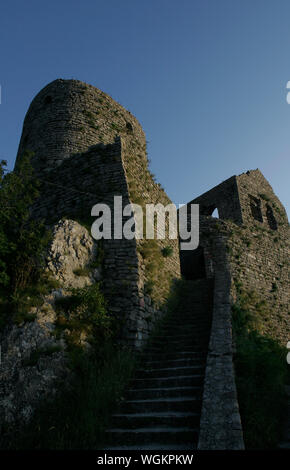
x=261, y=375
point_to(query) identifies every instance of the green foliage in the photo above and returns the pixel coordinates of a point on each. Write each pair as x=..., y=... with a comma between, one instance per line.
x=148, y=287
x=154, y=262
x=167, y=251
x=149, y=249
x=85, y=222
x=264, y=196
x=84, y=314
x=90, y=115
x=22, y=242
x=246, y=241
x=17, y=306
x=78, y=417
x=115, y=127
x=282, y=213
x=81, y=271
x=256, y=310
x=261, y=373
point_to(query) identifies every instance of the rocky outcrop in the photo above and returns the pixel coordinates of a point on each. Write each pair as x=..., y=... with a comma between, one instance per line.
x=71, y=251
x=34, y=361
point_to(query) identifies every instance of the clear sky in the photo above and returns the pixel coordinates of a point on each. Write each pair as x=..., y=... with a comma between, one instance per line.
x=206, y=79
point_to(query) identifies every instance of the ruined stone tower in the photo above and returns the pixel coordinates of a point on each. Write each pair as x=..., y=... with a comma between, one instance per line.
x=245, y=251
x=68, y=117
x=250, y=237
x=87, y=149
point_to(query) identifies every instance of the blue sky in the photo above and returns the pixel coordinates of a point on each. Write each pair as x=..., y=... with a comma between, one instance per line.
x=206, y=79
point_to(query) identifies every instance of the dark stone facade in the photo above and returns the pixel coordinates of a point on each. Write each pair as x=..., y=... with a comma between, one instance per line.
x=224, y=198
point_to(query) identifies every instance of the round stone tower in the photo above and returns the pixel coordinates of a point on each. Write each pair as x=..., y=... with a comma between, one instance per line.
x=86, y=149
x=67, y=117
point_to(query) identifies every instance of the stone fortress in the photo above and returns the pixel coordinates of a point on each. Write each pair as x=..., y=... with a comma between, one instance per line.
x=87, y=149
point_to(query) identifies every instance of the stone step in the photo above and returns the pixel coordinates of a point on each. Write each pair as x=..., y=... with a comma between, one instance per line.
x=196, y=321
x=201, y=295
x=201, y=359
x=146, y=393
x=195, y=306
x=157, y=382
x=196, y=336
x=186, y=403
x=192, y=322
x=172, y=338
x=192, y=318
x=174, y=331
x=175, y=336
x=169, y=355
x=149, y=435
x=177, y=348
x=196, y=312
x=184, y=344
x=133, y=420
x=169, y=372
x=156, y=446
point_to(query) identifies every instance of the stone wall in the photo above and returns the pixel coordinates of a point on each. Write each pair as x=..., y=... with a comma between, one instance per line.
x=143, y=190
x=259, y=253
x=257, y=246
x=220, y=424
x=224, y=198
x=258, y=200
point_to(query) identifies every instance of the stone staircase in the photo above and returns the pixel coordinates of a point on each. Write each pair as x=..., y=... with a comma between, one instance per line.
x=163, y=403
